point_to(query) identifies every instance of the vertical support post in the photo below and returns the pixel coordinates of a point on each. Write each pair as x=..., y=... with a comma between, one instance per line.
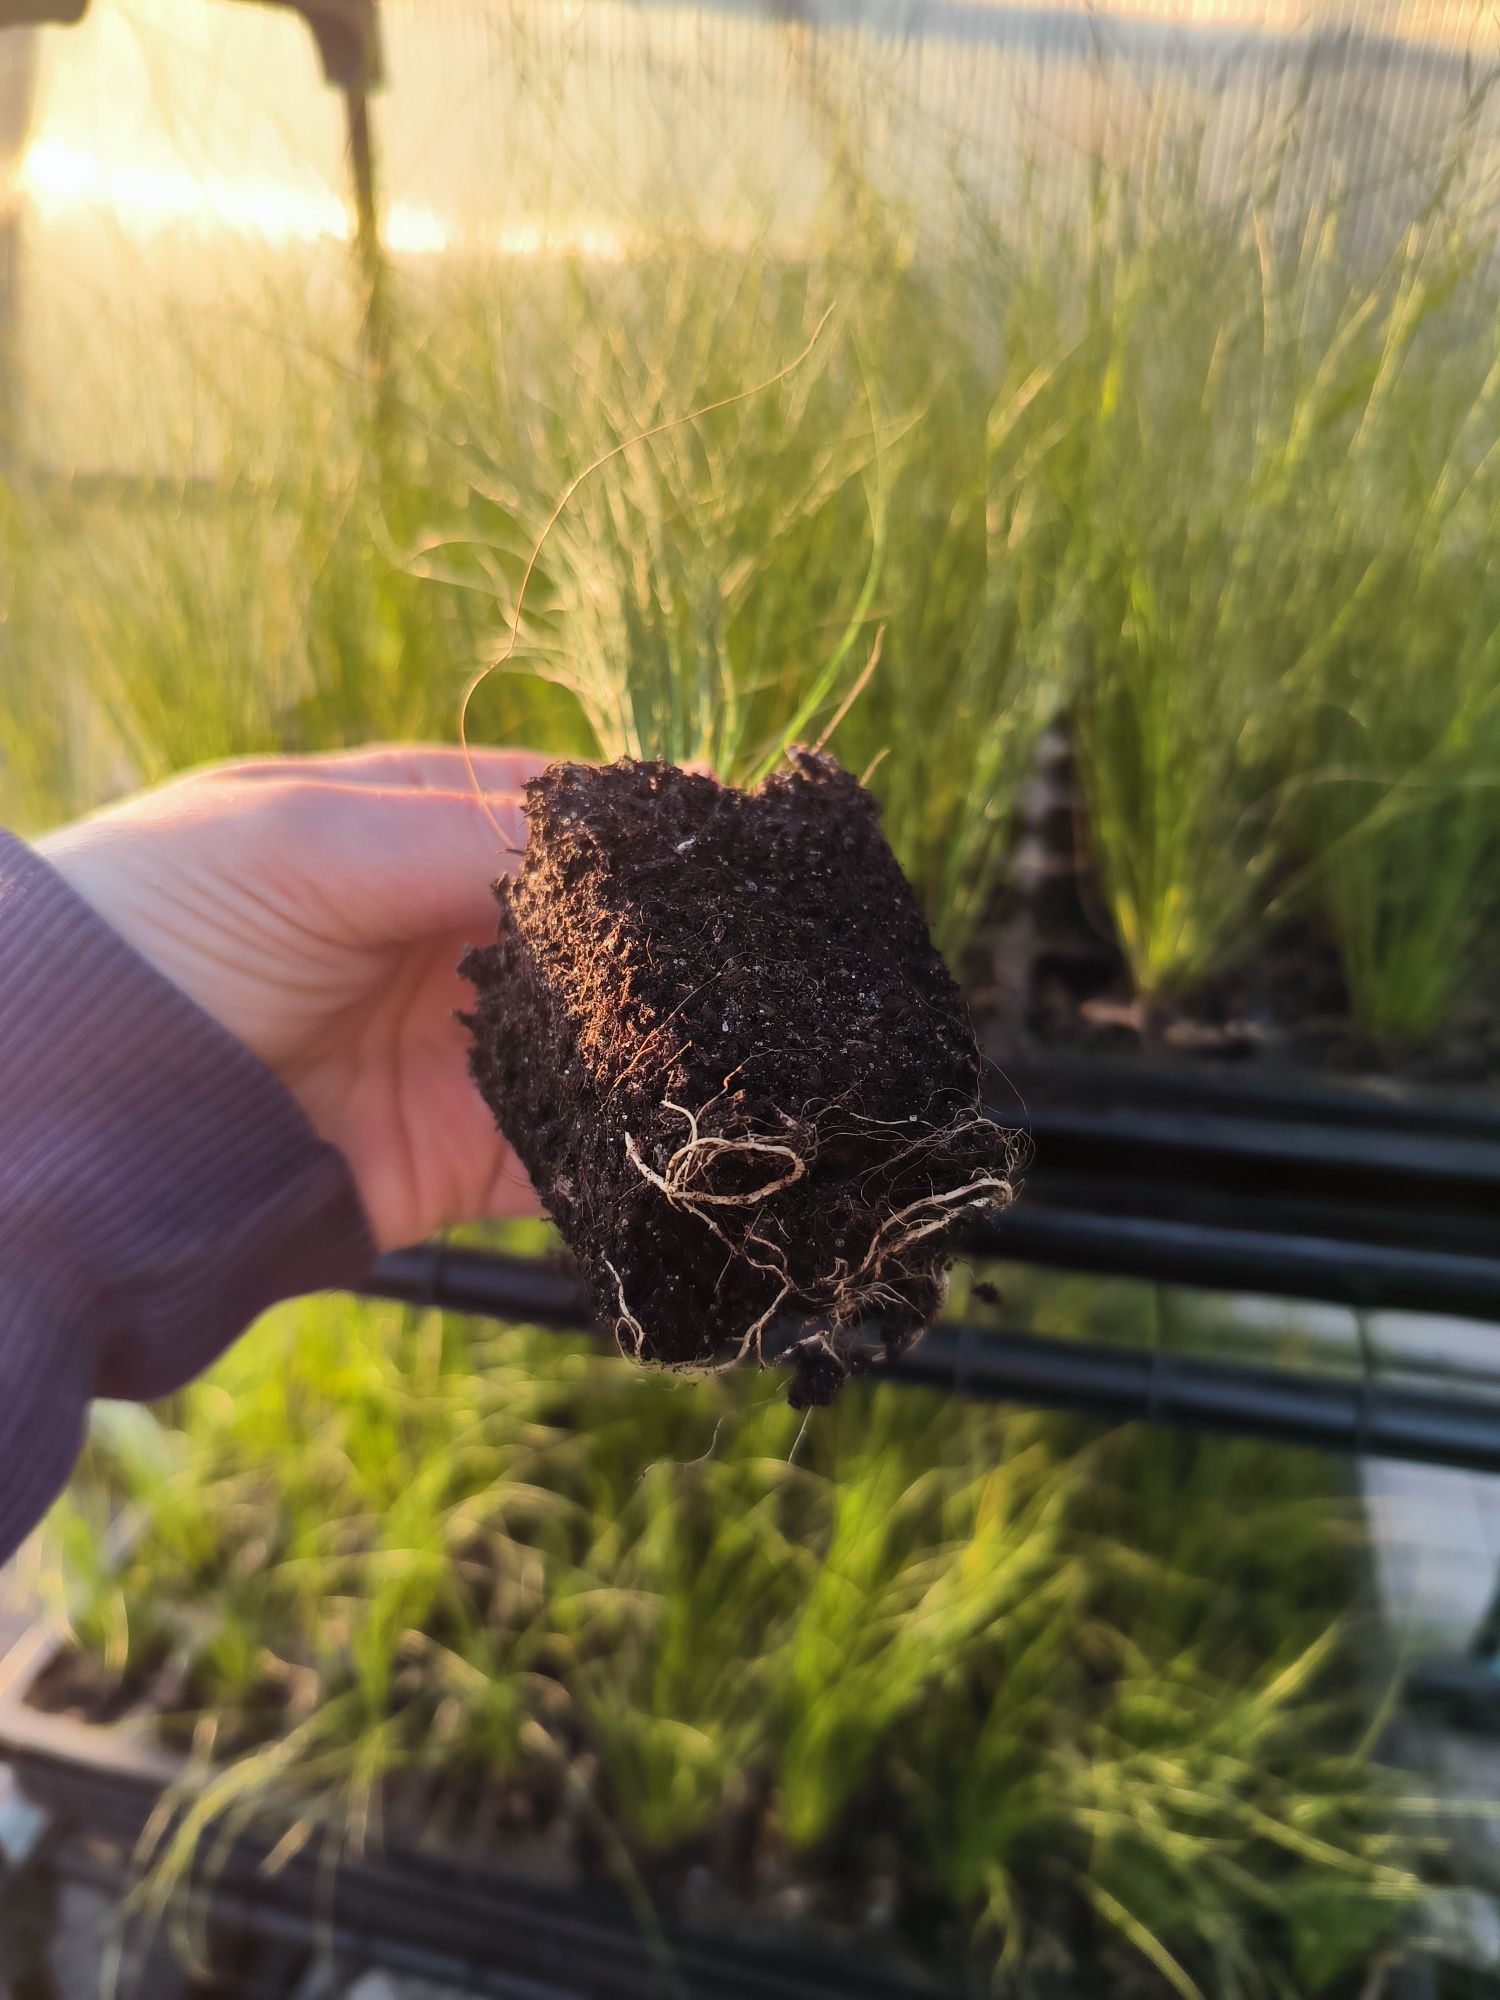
x=374, y=310
x=10, y=334
x=17, y=84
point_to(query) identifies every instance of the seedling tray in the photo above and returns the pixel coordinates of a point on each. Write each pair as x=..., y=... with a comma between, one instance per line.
x=1371, y=1196
x=424, y=1911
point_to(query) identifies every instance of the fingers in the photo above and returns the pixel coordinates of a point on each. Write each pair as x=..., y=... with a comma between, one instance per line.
x=433, y=767
x=389, y=865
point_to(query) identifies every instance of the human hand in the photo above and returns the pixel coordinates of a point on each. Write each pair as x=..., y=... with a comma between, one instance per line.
x=316, y=908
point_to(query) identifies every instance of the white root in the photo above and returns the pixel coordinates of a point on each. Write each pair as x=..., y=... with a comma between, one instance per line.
x=935, y=1210
x=843, y=1295
x=633, y=1348
x=919, y=1219
x=696, y=1154
x=627, y=1319
x=751, y=1338
x=752, y=1334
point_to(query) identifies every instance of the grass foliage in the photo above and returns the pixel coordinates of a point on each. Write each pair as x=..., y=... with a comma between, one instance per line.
x=1271, y=606
x=1097, y=1690
x=1219, y=495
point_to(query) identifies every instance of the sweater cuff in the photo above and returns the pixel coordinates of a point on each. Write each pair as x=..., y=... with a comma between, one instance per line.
x=159, y=1187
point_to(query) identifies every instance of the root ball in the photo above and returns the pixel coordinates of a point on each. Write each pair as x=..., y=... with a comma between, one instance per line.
x=744, y=1085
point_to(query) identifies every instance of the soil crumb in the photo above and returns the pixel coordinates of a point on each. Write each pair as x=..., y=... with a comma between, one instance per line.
x=746, y=1088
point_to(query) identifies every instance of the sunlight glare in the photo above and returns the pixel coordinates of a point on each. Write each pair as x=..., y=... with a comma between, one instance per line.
x=58, y=178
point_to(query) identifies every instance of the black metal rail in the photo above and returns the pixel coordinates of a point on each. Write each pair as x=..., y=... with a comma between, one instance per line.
x=1355, y=1413
x=1369, y=1198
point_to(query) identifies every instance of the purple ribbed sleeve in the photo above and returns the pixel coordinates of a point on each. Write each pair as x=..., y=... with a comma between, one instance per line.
x=158, y=1185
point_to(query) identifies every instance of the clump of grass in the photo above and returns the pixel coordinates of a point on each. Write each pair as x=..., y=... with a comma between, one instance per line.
x=1184, y=516
x=1392, y=800
x=186, y=648
x=929, y=1549
x=706, y=585
x=1092, y=1687
x=1271, y=462
x=971, y=668
x=1220, y=495
x=720, y=587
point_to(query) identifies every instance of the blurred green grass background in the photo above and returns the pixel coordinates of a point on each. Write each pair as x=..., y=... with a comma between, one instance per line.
x=1218, y=489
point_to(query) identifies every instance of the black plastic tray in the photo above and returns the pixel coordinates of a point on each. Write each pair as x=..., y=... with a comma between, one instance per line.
x=432, y=1912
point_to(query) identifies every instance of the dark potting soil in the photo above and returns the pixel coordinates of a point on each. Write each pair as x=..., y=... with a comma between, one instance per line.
x=746, y=1088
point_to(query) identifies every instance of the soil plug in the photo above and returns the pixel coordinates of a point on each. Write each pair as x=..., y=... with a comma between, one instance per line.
x=715, y=1030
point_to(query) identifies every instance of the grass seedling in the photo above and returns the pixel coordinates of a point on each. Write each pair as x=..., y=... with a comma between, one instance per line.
x=1089, y=1686
x=1393, y=799
x=1178, y=544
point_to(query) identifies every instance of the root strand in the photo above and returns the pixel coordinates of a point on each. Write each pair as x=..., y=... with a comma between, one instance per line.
x=846, y=1293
